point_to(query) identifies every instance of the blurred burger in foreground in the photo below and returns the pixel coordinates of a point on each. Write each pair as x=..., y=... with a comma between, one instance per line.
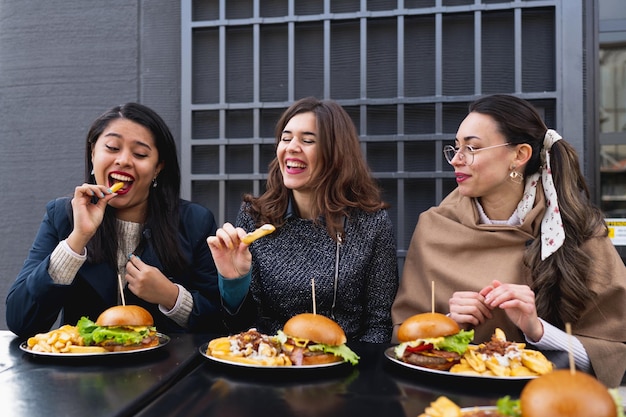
x=432, y=340
x=313, y=339
x=120, y=328
x=560, y=393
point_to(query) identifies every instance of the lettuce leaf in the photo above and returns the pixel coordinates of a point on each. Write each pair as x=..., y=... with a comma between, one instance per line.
x=342, y=351
x=456, y=343
x=509, y=407
x=93, y=334
x=618, y=401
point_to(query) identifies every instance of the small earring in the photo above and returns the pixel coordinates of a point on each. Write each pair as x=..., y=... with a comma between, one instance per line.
x=516, y=177
x=154, y=182
x=92, y=171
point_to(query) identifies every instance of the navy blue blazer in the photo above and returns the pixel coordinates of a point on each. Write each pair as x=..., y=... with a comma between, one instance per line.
x=34, y=301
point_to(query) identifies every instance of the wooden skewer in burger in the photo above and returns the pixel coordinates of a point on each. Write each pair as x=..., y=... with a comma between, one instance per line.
x=313, y=339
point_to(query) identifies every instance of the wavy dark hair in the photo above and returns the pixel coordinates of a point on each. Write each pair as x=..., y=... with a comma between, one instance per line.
x=162, y=221
x=560, y=281
x=342, y=179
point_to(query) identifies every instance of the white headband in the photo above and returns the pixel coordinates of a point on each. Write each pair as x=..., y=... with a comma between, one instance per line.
x=552, y=232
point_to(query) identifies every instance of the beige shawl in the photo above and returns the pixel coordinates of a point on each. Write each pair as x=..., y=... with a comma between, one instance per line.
x=451, y=248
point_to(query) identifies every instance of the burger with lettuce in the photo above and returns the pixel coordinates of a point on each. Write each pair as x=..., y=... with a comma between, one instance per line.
x=432, y=340
x=120, y=328
x=314, y=339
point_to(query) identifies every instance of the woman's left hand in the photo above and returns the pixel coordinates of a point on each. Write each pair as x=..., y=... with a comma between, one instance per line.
x=149, y=283
x=518, y=302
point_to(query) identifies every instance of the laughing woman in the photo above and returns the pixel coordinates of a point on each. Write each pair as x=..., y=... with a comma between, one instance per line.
x=141, y=234
x=332, y=228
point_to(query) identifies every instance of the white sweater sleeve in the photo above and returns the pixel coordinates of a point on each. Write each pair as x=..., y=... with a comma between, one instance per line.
x=182, y=309
x=65, y=263
x=556, y=339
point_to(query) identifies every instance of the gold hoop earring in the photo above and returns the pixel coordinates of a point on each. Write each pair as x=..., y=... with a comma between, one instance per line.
x=516, y=177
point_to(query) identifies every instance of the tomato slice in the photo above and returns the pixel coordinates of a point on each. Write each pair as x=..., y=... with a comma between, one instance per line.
x=420, y=348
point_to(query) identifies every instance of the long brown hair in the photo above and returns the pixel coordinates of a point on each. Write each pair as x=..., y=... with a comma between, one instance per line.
x=560, y=281
x=342, y=181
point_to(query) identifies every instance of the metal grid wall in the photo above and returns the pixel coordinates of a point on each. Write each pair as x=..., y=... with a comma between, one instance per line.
x=405, y=70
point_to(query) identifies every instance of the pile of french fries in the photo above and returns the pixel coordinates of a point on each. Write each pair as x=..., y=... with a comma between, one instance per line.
x=65, y=339
x=442, y=407
x=518, y=361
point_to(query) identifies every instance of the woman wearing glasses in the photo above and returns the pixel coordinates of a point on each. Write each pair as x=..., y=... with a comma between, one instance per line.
x=518, y=244
x=333, y=232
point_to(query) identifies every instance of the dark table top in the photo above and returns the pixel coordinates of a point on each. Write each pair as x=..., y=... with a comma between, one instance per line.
x=376, y=386
x=177, y=380
x=95, y=386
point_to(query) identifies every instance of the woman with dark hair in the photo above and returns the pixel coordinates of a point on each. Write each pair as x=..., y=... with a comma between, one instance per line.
x=519, y=245
x=333, y=233
x=142, y=235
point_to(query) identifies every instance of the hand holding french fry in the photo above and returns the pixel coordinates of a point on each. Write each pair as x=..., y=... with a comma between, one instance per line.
x=232, y=259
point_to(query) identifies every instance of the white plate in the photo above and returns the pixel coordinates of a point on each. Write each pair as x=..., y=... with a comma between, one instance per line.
x=480, y=408
x=390, y=354
x=163, y=340
x=204, y=347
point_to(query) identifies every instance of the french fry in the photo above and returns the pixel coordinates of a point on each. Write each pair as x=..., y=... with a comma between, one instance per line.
x=475, y=361
x=65, y=339
x=464, y=368
x=517, y=360
x=495, y=367
x=117, y=186
x=499, y=335
x=85, y=349
x=266, y=229
x=521, y=370
x=535, y=361
x=442, y=407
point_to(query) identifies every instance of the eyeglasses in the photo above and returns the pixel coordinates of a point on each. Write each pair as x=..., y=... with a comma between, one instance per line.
x=465, y=152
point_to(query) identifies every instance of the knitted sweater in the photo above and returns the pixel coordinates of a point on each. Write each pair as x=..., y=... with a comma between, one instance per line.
x=285, y=262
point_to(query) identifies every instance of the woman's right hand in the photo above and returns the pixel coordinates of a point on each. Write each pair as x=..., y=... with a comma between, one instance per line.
x=231, y=256
x=468, y=309
x=87, y=215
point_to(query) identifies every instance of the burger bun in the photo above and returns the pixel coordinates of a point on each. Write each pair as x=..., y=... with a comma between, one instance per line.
x=563, y=394
x=125, y=315
x=316, y=328
x=427, y=325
